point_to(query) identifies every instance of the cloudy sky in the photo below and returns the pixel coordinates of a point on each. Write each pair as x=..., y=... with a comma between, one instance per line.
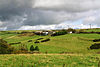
x=48, y=14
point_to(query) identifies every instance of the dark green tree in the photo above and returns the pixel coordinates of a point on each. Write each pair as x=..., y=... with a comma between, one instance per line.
x=36, y=48
x=5, y=48
x=32, y=48
x=70, y=29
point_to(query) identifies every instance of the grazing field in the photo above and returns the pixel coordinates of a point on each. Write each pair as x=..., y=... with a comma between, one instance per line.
x=70, y=50
x=93, y=30
x=50, y=60
x=74, y=43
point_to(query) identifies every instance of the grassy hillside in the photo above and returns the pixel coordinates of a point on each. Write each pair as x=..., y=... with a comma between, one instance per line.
x=74, y=43
x=50, y=60
x=93, y=30
x=70, y=50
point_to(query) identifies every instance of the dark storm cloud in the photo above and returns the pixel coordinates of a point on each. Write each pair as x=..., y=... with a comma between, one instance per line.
x=17, y=13
x=9, y=8
x=12, y=12
x=67, y=5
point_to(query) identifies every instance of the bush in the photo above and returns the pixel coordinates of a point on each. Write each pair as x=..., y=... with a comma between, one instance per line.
x=61, y=32
x=40, y=39
x=70, y=29
x=36, y=48
x=96, y=40
x=32, y=48
x=5, y=48
x=36, y=42
x=15, y=43
x=30, y=41
x=23, y=47
x=95, y=46
x=45, y=40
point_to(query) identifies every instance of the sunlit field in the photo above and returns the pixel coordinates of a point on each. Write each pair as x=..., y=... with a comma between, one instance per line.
x=70, y=50
x=50, y=60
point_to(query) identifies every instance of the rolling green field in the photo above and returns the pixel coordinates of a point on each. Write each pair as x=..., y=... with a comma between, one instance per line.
x=93, y=30
x=70, y=50
x=50, y=60
x=76, y=43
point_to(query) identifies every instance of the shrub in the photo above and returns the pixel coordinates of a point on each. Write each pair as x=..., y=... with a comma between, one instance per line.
x=96, y=40
x=36, y=48
x=61, y=32
x=40, y=39
x=15, y=43
x=45, y=40
x=23, y=47
x=95, y=46
x=36, y=42
x=5, y=48
x=32, y=48
x=70, y=29
x=30, y=41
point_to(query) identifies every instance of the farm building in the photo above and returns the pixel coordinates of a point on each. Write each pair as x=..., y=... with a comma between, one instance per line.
x=44, y=32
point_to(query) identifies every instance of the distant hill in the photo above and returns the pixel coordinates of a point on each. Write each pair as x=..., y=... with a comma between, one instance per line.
x=74, y=43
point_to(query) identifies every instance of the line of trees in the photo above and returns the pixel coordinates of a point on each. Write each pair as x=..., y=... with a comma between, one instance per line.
x=60, y=32
x=32, y=48
x=6, y=48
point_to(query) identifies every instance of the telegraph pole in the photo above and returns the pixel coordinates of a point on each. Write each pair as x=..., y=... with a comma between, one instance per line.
x=90, y=26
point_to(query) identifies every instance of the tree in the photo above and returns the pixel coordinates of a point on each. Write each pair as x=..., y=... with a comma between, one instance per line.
x=70, y=29
x=5, y=48
x=36, y=48
x=32, y=48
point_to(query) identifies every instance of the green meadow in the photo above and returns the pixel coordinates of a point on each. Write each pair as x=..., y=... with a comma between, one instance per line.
x=50, y=60
x=93, y=30
x=76, y=43
x=70, y=50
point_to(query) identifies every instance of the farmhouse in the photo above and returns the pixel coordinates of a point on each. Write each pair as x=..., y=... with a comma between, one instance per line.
x=70, y=32
x=44, y=32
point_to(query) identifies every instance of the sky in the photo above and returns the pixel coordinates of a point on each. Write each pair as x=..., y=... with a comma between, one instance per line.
x=49, y=14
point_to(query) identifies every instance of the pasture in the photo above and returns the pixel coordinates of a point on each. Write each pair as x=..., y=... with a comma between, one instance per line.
x=50, y=60
x=70, y=50
x=92, y=30
x=74, y=43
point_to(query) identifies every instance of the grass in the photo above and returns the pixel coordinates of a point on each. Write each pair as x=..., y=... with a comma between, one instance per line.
x=75, y=46
x=94, y=30
x=76, y=43
x=50, y=60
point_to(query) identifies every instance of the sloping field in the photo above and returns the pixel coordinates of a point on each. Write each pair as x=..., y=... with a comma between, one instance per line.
x=69, y=43
x=92, y=30
x=50, y=60
x=70, y=50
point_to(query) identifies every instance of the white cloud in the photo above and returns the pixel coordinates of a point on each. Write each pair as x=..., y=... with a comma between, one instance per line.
x=1, y=23
x=57, y=26
x=33, y=13
x=94, y=18
x=67, y=5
